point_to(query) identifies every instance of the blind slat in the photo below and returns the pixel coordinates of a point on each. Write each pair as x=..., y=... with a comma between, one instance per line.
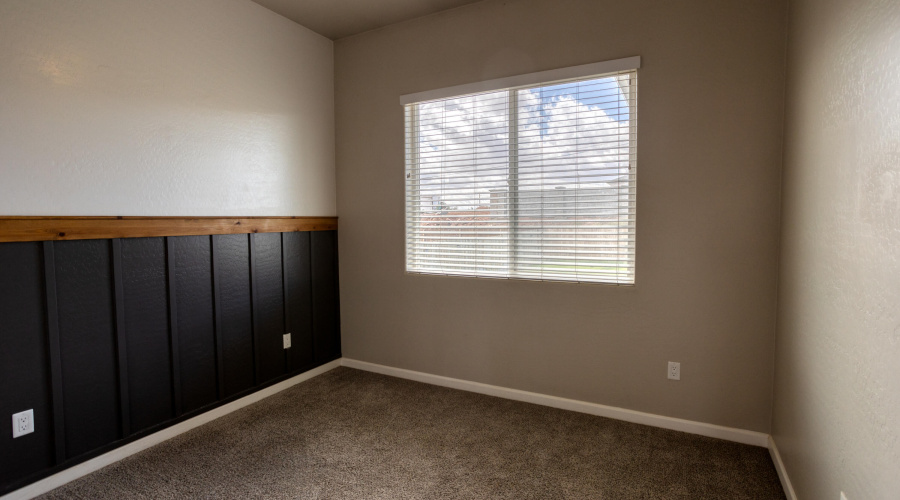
x=527, y=183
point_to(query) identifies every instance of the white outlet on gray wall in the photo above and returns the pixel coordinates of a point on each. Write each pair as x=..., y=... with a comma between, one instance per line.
x=674, y=370
x=23, y=423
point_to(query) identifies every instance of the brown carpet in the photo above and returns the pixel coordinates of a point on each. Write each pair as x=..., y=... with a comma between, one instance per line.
x=357, y=435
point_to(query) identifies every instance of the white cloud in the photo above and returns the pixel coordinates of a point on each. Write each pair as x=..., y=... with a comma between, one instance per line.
x=563, y=141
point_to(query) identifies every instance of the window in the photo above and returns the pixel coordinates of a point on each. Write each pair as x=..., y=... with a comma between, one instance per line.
x=531, y=177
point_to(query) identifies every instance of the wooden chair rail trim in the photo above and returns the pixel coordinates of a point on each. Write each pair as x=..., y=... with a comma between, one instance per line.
x=42, y=228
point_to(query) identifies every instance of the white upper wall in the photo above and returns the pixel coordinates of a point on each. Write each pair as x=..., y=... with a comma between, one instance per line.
x=169, y=107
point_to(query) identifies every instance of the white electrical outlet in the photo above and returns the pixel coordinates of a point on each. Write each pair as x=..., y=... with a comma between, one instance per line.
x=674, y=370
x=286, y=338
x=23, y=423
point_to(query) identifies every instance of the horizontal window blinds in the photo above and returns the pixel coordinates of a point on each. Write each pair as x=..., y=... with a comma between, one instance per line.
x=533, y=182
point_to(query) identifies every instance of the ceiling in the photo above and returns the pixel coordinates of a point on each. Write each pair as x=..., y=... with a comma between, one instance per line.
x=339, y=18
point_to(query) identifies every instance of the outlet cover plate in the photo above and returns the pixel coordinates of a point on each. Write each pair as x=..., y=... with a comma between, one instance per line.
x=286, y=338
x=23, y=423
x=674, y=370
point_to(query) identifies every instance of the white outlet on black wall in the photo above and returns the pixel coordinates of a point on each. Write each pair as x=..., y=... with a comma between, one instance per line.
x=23, y=423
x=674, y=370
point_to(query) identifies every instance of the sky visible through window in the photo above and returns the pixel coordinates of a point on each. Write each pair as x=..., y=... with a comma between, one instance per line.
x=464, y=143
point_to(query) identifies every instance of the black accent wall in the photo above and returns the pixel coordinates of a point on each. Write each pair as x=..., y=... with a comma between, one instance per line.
x=110, y=340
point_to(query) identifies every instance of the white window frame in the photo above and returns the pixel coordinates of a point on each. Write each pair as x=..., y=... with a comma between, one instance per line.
x=512, y=85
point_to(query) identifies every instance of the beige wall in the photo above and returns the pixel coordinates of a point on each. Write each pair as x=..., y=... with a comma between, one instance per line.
x=709, y=159
x=163, y=107
x=837, y=377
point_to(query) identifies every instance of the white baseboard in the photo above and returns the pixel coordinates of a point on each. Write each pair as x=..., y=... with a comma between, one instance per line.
x=677, y=424
x=97, y=463
x=782, y=472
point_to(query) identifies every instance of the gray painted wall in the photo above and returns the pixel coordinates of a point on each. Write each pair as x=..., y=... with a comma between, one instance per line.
x=709, y=166
x=837, y=376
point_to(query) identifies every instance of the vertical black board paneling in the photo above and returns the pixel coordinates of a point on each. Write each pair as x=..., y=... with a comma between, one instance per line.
x=121, y=338
x=87, y=344
x=90, y=332
x=147, y=332
x=268, y=305
x=53, y=352
x=298, y=291
x=336, y=269
x=24, y=365
x=285, y=302
x=217, y=319
x=191, y=264
x=174, y=343
x=326, y=328
x=235, y=320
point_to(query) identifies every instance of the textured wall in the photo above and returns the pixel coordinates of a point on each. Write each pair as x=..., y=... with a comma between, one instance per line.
x=837, y=378
x=169, y=107
x=709, y=166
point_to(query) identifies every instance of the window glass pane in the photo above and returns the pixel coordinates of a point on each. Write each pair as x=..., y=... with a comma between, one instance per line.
x=533, y=183
x=574, y=181
x=462, y=226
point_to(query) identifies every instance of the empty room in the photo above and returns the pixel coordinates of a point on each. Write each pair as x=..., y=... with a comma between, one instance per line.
x=450, y=249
